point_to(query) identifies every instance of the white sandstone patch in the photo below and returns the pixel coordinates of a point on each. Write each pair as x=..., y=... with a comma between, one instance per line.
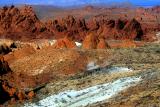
x=78, y=44
x=88, y=96
x=52, y=42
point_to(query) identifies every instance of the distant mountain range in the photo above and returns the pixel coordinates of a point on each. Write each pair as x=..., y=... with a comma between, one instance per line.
x=67, y=3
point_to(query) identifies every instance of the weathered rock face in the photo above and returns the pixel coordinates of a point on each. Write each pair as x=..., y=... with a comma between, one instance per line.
x=12, y=18
x=102, y=44
x=134, y=27
x=133, y=30
x=12, y=94
x=20, y=23
x=76, y=26
x=64, y=43
x=8, y=85
x=111, y=29
x=92, y=41
x=93, y=24
x=122, y=29
x=149, y=19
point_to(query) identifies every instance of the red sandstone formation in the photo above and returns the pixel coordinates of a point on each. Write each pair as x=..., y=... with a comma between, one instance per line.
x=122, y=30
x=9, y=93
x=8, y=90
x=90, y=41
x=21, y=24
x=140, y=22
x=111, y=29
x=93, y=24
x=149, y=19
x=5, y=91
x=77, y=27
x=64, y=43
x=102, y=44
x=31, y=95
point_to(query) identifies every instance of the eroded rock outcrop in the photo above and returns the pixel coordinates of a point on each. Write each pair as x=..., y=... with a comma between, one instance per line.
x=111, y=29
x=21, y=23
x=93, y=24
x=133, y=30
x=122, y=29
x=76, y=26
x=102, y=44
x=8, y=85
x=65, y=42
x=92, y=41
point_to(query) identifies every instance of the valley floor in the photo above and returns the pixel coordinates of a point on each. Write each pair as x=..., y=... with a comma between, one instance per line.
x=83, y=89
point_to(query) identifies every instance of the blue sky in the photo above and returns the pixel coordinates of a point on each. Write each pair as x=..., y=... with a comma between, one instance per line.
x=79, y=2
